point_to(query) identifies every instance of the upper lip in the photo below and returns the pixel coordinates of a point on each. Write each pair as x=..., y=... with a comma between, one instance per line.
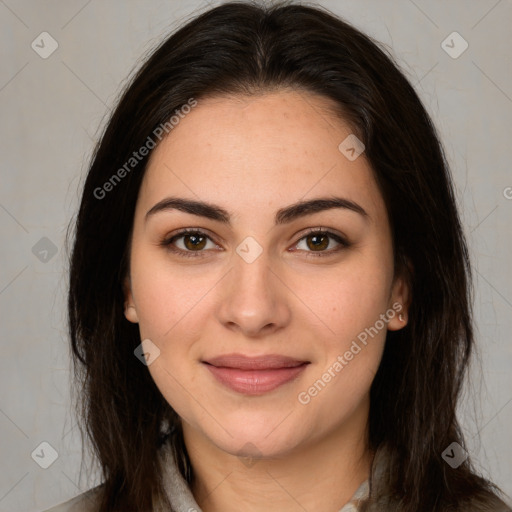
x=265, y=362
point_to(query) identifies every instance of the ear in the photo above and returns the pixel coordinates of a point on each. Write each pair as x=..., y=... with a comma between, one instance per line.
x=130, y=312
x=399, y=303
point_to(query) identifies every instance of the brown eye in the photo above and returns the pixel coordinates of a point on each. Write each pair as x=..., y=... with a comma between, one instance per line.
x=194, y=242
x=189, y=243
x=317, y=242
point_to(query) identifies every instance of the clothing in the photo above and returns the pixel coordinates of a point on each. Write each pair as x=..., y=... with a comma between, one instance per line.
x=182, y=500
x=177, y=490
x=85, y=502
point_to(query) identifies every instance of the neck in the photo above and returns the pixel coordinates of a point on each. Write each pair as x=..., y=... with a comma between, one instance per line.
x=322, y=475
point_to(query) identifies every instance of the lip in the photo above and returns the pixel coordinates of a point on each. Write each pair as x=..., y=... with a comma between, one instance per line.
x=254, y=375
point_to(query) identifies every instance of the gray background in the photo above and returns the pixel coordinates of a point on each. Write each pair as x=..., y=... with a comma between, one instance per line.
x=52, y=110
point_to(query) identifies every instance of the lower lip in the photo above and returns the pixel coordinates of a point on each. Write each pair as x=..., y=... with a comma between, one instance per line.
x=255, y=382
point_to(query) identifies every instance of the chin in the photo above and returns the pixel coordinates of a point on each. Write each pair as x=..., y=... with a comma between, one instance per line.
x=256, y=439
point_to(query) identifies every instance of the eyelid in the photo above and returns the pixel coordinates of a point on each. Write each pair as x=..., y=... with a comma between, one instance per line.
x=167, y=241
x=342, y=240
x=328, y=231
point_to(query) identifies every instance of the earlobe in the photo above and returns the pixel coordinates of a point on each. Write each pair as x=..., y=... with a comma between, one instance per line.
x=399, y=306
x=130, y=312
x=397, y=318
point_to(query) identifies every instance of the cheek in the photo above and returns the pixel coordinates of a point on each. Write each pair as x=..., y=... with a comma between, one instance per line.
x=179, y=386
x=166, y=299
x=346, y=300
x=342, y=380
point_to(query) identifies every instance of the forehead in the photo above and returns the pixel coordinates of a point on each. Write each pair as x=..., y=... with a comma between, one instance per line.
x=267, y=149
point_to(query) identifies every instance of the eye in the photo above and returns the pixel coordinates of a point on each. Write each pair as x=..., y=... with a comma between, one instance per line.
x=318, y=240
x=194, y=242
x=189, y=243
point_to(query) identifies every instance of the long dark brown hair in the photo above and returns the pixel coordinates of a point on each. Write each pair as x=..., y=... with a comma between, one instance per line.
x=243, y=48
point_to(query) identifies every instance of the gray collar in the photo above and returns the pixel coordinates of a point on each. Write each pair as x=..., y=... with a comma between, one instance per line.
x=181, y=498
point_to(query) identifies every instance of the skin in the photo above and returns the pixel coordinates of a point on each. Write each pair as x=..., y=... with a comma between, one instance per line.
x=253, y=156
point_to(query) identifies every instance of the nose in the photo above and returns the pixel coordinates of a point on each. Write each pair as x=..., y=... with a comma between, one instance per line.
x=253, y=300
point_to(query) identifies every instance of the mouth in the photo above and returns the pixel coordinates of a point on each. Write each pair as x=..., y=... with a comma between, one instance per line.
x=254, y=375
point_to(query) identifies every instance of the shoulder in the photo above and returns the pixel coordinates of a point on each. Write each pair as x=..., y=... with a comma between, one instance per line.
x=85, y=502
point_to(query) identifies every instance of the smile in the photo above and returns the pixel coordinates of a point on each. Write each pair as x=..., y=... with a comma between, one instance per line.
x=254, y=375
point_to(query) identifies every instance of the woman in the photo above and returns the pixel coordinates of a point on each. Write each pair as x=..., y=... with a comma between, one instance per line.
x=270, y=300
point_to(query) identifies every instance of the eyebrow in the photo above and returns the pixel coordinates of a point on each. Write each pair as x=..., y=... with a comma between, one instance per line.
x=283, y=216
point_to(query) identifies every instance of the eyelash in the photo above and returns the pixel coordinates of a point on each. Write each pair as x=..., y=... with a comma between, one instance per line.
x=168, y=243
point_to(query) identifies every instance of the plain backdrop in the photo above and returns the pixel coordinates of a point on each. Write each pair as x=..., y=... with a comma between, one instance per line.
x=52, y=110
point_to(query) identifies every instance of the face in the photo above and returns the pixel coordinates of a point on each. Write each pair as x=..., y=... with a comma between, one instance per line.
x=270, y=313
